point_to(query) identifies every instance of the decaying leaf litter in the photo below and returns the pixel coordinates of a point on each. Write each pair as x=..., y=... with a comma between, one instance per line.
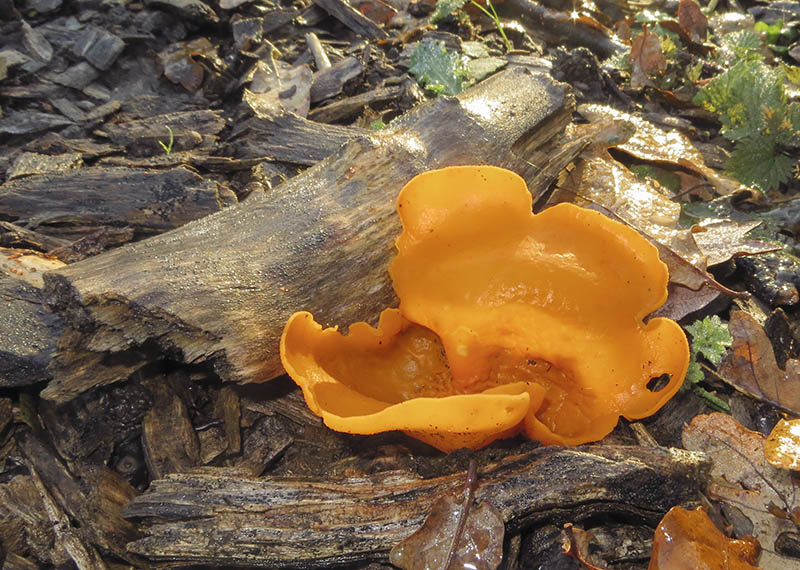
x=125, y=120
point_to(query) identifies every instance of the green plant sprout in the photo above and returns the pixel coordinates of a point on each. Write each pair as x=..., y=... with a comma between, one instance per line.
x=168, y=147
x=437, y=69
x=710, y=338
x=447, y=7
x=493, y=15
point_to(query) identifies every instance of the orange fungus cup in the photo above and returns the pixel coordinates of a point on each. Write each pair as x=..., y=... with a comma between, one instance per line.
x=508, y=321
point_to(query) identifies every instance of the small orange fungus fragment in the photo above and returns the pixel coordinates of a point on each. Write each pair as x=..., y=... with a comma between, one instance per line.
x=508, y=321
x=688, y=540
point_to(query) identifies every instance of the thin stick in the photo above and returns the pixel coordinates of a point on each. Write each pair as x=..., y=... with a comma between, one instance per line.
x=318, y=51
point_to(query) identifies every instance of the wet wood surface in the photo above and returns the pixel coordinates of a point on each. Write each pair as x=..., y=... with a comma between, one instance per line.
x=211, y=518
x=219, y=290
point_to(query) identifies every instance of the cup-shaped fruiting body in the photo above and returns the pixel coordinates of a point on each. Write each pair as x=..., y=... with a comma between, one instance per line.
x=508, y=321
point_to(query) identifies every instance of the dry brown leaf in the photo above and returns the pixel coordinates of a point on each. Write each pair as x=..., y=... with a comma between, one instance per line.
x=276, y=87
x=742, y=478
x=750, y=366
x=692, y=20
x=646, y=58
x=654, y=144
x=650, y=142
x=455, y=535
x=27, y=265
x=722, y=240
x=782, y=448
x=688, y=540
x=683, y=301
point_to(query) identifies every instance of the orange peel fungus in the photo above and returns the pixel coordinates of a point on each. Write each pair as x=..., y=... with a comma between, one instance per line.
x=508, y=321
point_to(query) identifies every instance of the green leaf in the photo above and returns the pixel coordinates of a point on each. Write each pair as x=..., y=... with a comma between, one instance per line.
x=771, y=31
x=437, y=69
x=694, y=373
x=446, y=7
x=737, y=46
x=759, y=161
x=710, y=337
x=740, y=96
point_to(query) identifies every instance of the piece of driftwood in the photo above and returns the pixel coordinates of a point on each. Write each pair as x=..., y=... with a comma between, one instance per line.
x=329, y=81
x=12, y=235
x=78, y=202
x=220, y=289
x=185, y=130
x=94, y=502
x=29, y=163
x=27, y=122
x=205, y=518
x=28, y=334
x=561, y=28
x=352, y=18
x=168, y=437
x=288, y=138
x=351, y=106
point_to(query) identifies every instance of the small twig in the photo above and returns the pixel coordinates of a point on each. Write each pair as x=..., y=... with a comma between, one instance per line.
x=168, y=147
x=318, y=51
x=470, y=486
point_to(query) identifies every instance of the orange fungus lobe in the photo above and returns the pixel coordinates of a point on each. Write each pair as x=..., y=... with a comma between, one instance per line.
x=508, y=321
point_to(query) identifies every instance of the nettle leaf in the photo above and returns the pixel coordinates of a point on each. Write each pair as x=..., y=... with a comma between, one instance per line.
x=437, y=69
x=760, y=162
x=711, y=338
x=446, y=7
x=737, y=46
x=740, y=95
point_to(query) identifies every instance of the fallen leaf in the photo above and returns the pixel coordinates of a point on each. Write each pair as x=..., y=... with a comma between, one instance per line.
x=782, y=448
x=473, y=534
x=692, y=20
x=688, y=540
x=722, y=240
x=750, y=366
x=654, y=144
x=27, y=265
x=277, y=87
x=741, y=478
x=683, y=301
x=646, y=58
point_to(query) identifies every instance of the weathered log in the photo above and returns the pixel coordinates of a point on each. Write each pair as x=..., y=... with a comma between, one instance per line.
x=220, y=289
x=78, y=202
x=211, y=519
